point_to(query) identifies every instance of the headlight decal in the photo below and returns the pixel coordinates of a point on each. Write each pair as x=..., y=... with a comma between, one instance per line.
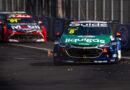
x=112, y=38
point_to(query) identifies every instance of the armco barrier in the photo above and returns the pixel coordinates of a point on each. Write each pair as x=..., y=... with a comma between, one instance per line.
x=58, y=26
x=124, y=29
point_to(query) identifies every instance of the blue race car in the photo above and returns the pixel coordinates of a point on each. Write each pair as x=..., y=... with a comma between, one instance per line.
x=87, y=42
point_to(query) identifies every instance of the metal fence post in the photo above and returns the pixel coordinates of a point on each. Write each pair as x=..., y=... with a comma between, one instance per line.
x=112, y=9
x=1, y=5
x=87, y=12
x=43, y=12
x=104, y=9
x=121, y=11
x=17, y=5
x=12, y=5
x=36, y=7
x=95, y=10
x=78, y=9
x=50, y=8
x=24, y=7
x=6, y=5
x=71, y=9
x=64, y=8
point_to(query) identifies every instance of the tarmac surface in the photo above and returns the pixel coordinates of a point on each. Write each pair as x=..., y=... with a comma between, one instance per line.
x=27, y=66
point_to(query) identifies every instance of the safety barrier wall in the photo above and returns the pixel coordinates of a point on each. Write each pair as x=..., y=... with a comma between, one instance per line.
x=54, y=25
x=0, y=33
x=46, y=24
x=58, y=26
x=124, y=29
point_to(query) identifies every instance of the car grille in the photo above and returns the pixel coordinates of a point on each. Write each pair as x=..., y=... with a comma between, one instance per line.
x=83, y=45
x=26, y=37
x=84, y=53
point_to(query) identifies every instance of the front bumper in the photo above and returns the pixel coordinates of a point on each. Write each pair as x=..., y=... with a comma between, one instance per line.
x=25, y=37
x=85, y=54
x=32, y=40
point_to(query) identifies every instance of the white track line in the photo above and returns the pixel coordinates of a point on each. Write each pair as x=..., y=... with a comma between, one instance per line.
x=125, y=57
x=45, y=49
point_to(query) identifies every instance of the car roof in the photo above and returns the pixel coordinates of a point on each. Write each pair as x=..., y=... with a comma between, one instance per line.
x=89, y=22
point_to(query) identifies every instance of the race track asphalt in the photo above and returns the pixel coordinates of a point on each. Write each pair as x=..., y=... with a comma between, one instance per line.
x=27, y=66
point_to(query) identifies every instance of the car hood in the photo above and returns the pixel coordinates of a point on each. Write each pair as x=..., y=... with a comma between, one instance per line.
x=24, y=26
x=85, y=39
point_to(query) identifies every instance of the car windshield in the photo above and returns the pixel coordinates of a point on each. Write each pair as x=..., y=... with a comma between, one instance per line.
x=80, y=30
x=20, y=20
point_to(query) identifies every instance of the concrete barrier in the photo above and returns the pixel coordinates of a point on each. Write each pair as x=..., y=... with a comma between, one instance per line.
x=124, y=29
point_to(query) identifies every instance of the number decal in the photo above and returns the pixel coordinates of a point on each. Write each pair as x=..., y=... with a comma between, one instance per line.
x=72, y=31
x=13, y=20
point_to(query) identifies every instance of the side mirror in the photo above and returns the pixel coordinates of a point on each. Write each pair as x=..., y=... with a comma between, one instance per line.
x=58, y=34
x=118, y=34
x=39, y=22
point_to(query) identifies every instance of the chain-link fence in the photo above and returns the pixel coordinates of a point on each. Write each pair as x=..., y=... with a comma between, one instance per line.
x=77, y=9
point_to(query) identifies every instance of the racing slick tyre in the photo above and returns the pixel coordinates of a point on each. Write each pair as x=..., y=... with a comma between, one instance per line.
x=2, y=35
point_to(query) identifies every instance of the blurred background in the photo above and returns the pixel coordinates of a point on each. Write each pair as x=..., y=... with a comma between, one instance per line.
x=76, y=9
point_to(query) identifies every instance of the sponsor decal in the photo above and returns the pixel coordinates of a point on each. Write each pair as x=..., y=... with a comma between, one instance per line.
x=88, y=36
x=19, y=16
x=13, y=20
x=68, y=40
x=89, y=24
x=19, y=27
x=112, y=38
x=105, y=61
x=24, y=26
x=72, y=30
x=112, y=60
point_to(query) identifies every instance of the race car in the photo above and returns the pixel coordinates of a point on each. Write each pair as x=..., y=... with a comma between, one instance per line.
x=21, y=27
x=87, y=42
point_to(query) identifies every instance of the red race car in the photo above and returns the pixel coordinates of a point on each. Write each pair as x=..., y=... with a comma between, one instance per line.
x=21, y=27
